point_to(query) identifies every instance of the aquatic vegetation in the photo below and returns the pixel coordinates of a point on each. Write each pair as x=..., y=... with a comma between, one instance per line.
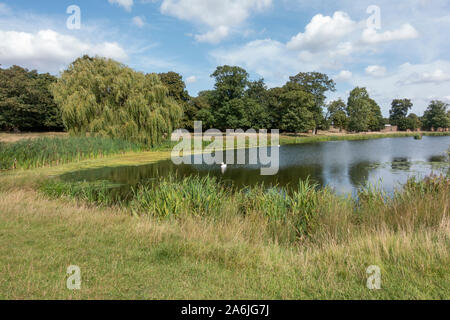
x=299, y=214
x=171, y=198
x=42, y=152
x=98, y=192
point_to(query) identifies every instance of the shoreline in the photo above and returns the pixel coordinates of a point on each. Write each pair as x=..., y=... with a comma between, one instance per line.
x=164, y=152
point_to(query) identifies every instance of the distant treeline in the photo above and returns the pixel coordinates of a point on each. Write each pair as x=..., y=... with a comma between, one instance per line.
x=103, y=97
x=298, y=106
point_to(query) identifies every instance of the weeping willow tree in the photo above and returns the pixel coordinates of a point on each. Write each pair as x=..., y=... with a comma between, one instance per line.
x=105, y=98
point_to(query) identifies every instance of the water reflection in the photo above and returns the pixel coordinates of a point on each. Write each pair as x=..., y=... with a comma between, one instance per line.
x=342, y=165
x=401, y=163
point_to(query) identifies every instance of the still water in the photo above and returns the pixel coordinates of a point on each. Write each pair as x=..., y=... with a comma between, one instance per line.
x=344, y=166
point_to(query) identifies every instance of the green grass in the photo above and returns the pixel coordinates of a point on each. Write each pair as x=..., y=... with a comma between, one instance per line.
x=360, y=136
x=241, y=250
x=34, y=153
x=290, y=215
x=197, y=239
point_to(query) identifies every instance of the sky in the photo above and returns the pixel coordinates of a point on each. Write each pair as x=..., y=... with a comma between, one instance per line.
x=396, y=49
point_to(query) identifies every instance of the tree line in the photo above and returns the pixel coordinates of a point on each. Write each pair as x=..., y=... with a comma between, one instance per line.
x=298, y=106
x=101, y=96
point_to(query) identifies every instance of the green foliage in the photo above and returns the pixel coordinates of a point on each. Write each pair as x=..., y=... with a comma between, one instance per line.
x=337, y=114
x=364, y=114
x=230, y=83
x=316, y=84
x=296, y=107
x=105, y=98
x=398, y=113
x=413, y=122
x=171, y=198
x=26, y=103
x=98, y=192
x=436, y=115
x=177, y=90
x=26, y=154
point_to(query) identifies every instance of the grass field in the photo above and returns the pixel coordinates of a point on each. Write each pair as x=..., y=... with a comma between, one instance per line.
x=238, y=250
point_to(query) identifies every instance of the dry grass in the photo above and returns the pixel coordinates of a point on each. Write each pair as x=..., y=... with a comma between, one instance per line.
x=124, y=257
x=226, y=257
x=14, y=137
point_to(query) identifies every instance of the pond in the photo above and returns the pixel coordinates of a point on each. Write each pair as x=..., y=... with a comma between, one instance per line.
x=344, y=166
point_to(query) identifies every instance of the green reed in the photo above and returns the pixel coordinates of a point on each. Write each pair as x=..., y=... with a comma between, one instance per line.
x=43, y=152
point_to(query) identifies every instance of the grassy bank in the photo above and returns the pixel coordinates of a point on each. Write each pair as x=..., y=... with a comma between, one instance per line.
x=197, y=239
x=215, y=243
x=356, y=136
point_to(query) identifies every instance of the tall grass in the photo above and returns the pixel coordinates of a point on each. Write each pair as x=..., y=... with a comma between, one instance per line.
x=191, y=196
x=27, y=154
x=307, y=213
x=99, y=192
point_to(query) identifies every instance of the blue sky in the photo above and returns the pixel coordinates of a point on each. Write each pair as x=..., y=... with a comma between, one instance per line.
x=404, y=54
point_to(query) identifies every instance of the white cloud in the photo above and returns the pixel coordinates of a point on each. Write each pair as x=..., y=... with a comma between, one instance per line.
x=138, y=21
x=376, y=71
x=438, y=76
x=405, y=32
x=48, y=50
x=214, y=36
x=323, y=32
x=344, y=75
x=268, y=58
x=403, y=82
x=191, y=79
x=126, y=4
x=217, y=15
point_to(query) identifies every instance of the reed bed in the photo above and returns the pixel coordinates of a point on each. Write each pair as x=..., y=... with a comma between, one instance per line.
x=306, y=213
x=46, y=152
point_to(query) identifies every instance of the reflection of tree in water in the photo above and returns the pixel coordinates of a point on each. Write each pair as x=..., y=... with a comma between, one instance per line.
x=359, y=173
x=402, y=164
x=439, y=158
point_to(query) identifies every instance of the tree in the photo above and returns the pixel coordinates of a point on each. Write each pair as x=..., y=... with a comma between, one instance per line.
x=26, y=102
x=103, y=97
x=230, y=82
x=228, y=103
x=274, y=106
x=413, y=122
x=364, y=114
x=175, y=86
x=436, y=115
x=232, y=114
x=376, y=121
x=257, y=105
x=337, y=114
x=296, y=106
x=177, y=90
x=398, y=113
x=316, y=84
